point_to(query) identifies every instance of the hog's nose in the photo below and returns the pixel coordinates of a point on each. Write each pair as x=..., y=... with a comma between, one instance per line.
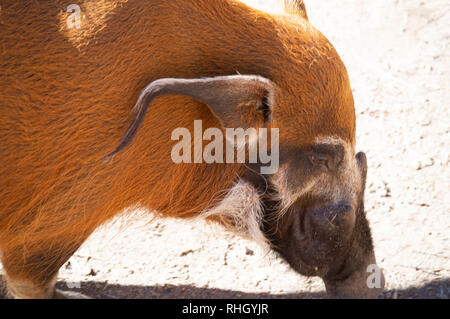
x=332, y=219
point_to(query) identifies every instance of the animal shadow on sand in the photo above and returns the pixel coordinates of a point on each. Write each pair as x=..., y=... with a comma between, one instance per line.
x=436, y=289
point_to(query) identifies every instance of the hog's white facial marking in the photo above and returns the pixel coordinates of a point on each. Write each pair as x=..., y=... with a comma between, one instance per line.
x=284, y=194
x=347, y=184
x=241, y=211
x=344, y=184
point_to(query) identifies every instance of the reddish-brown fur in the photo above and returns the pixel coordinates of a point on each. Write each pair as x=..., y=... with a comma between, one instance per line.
x=66, y=95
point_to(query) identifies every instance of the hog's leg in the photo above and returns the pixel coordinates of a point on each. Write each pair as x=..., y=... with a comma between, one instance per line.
x=32, y=267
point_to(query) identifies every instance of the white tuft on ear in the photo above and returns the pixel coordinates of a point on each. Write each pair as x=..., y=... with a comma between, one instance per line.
x=294, y=7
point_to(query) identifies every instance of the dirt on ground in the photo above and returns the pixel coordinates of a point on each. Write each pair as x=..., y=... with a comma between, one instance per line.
x=398, y=58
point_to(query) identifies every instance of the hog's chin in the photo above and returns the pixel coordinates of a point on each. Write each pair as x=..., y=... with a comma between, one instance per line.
x=359, y=283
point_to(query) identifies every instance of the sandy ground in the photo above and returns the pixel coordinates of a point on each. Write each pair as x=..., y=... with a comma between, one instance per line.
x=397, y=55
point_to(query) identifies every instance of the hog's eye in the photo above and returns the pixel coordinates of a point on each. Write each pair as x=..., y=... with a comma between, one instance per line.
x=319, y=160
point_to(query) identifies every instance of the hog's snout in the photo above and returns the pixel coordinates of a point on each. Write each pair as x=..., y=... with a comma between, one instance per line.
x=337, y=219
x=321, y=232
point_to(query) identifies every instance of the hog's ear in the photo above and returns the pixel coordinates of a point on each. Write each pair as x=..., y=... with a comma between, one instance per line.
x=295, y=7
x=238, y=101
